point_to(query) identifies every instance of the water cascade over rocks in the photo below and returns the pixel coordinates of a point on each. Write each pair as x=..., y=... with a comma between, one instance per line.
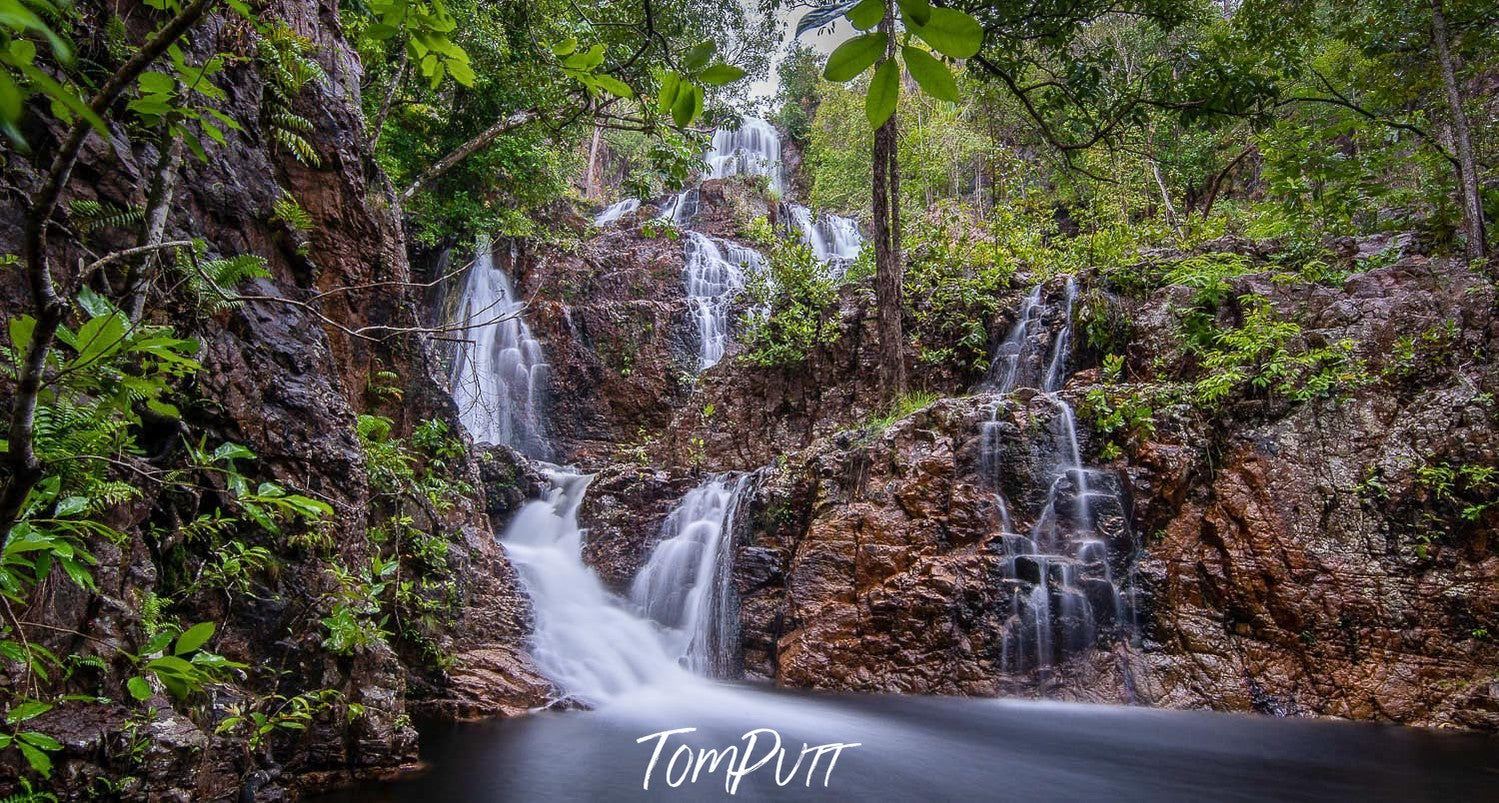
x=499, y=372
x=715, y=272
x=1061, y=572
x=677, y=623
x=685, y=585
x=615, y=211
x=834, y=240
x=752, y=149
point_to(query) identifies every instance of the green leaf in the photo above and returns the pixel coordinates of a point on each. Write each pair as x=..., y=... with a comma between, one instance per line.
x=671, y=83
x=931, y=75
x=565, y=47
x=613, y=86
x=697, y=57
x=855, y=56
x=156, y=83
x=39, y=740
x=461, y=71
x=21, y=328
x=139, y=688
x=867, y=14
x=720, y=74
x=952, y=33
x=688, y=106
x=884, y=92
x=580, y=61
x=27, y=710
x=195, y=637
x=38, y=760
x=919, y=11
x=71, y=506
x=95, y=305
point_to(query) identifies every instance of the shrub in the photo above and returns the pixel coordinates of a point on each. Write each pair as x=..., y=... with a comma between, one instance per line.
x=793, y=308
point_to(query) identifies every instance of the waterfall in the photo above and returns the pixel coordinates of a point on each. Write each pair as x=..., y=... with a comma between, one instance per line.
x=499, y=372
x=752, y=149
x=615, y=211
x=834, y=240
x=684, y=586
x=595, y=646
x=584, y=640
x=715, y=272
x=1063, y=591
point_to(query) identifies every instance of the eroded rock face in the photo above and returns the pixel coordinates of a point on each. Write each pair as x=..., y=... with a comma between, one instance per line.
x=1275, y=576
x=289, y=385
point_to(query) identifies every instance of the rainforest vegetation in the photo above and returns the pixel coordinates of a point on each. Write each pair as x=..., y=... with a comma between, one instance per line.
x=184, y=177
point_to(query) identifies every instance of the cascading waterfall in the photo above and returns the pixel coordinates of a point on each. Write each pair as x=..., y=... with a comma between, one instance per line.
x=684, y=586
x=715, y=272
x=1063, y=593
x=834, y=240
x=585, y=641
x=615, y=211
x=678, y=623
x=499, y=372
x=754, y=148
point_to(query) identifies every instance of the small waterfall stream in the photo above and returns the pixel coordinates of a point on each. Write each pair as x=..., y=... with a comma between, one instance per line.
x=684, y=586
x=715, y=271
x=615, y=211
x=678, y=623
x=499, y=372
x=834, y=240
x=1063, y=593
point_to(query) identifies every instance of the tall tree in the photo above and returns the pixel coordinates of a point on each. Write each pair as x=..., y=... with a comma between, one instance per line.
x=892, y=47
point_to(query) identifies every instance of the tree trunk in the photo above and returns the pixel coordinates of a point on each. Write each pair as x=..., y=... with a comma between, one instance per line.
x=887, y=253
x=590, y=179
x=1467, y=178
x=158, y=206
x=502, y=126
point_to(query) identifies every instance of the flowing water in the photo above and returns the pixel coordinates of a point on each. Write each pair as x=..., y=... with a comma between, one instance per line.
x=615, y=211
x=930, y=749
x=642, y=662
x=834, y=240
x=499, y=372
x=752, y=149
x=685, y=585
x=715, y=272
x=1061, y=573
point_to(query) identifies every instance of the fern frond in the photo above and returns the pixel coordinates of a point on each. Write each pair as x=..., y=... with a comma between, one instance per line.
x=90, y=215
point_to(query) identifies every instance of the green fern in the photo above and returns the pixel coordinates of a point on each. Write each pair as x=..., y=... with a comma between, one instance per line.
x=90, y=216
x=286, y=63
x=286, y=210
x=209, y=282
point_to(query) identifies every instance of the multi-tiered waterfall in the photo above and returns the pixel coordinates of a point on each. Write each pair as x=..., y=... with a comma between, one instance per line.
x=678, y=621
x=716, y=269
x=1061, y=573
x=499, y=373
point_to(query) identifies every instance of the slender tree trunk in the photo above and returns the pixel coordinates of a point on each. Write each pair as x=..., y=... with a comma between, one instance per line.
x=1467, y=179
x=158, y=205
x=590, y=179
x=887, y=252
x=378, y=127
x=502, y=126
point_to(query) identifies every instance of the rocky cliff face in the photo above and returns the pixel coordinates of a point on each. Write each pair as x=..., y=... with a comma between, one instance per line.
x=286, y=380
